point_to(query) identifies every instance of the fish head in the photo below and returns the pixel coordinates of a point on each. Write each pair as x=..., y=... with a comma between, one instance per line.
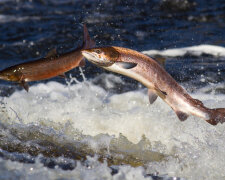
x=104, y=56
x=8, y=75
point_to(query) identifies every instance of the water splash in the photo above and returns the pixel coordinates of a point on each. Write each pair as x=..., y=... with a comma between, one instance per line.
x=86, y=120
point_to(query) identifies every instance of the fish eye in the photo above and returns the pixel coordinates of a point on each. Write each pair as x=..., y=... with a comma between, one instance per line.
x=98, y=51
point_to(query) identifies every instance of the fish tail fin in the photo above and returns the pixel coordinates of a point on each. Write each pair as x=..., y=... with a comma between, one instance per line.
x=87, y=42
x=216, y=116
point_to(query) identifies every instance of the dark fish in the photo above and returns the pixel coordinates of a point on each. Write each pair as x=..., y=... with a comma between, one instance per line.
x=50, y=66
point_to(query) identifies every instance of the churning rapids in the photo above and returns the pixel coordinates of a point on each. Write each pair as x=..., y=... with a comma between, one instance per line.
x=83, y=131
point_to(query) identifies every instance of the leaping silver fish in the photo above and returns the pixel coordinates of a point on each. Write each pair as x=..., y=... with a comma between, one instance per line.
x=159, y=83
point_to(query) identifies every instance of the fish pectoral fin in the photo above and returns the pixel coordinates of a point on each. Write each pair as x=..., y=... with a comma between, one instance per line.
x=161, y=93
x=82, y=63
x=51, y=53
x=152, y=96
x=24, y=85
x=126, y=65
x=181, y=115
x=164, y=93
x=62, y=75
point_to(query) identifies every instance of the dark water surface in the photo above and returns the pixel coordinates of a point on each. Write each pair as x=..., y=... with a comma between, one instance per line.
x=29, y=29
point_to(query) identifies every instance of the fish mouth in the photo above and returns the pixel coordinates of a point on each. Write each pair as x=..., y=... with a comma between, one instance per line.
x=89, y=56
x=92, y=58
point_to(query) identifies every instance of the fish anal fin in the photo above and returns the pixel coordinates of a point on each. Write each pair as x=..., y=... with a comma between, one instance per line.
x=152, y=96
x=62, y=75
x=51, y=53
x=82, y=63
x=126, y=65
x=181, y=115
x=24, y=85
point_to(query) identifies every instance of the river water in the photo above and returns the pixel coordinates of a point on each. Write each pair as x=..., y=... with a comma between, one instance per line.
x=99, y=125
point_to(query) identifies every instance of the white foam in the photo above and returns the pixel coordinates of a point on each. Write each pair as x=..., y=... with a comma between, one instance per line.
x=95, y=171
x=198, y=50
x=11, y=18
x=195, y=149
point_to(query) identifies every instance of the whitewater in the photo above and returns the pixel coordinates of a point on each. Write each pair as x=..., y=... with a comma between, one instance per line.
x=103, y=135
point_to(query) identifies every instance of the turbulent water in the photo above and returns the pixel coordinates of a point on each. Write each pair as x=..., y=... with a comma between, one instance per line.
x=100, y=125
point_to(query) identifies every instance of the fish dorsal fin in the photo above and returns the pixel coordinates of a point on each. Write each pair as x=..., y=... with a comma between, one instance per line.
x=182, y=116
x=152, y=96
x=51, y=53
x=160, y=60
x=126, y=65
x=87, y=42
x=24, y=85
